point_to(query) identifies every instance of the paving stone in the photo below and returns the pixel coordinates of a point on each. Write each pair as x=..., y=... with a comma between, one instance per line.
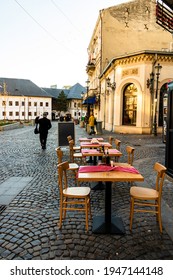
x=29, y=224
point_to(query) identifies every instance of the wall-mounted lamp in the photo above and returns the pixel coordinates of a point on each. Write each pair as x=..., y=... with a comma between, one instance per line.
x=109, y=84
x=150, y=82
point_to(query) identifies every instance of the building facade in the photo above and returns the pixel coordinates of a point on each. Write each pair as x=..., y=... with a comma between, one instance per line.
x=21, y=99
x=126, y=51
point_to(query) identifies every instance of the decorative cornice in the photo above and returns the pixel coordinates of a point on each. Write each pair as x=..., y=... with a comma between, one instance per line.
x=143, y=58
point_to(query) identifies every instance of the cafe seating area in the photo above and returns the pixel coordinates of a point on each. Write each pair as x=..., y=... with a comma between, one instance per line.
x=96, y=166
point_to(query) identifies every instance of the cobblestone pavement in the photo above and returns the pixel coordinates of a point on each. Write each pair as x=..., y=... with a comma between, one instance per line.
x=28, y=225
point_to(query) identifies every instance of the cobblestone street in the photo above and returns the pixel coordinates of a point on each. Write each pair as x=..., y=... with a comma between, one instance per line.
x=28, y=224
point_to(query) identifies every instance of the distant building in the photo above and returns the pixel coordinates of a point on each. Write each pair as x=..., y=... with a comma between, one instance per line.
x=21, y=99
x=74, y=97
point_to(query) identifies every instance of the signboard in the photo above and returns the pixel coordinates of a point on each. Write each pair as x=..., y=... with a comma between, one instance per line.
x=164, y=17
x=65, y=129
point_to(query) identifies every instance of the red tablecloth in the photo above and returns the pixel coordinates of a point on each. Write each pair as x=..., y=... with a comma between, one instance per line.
x=105, y=168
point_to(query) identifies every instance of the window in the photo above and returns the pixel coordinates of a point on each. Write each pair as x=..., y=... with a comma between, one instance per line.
x=35, y=104
x=47, y=104
x=29, y=103
x=29, y=113
x=10, y=114
x=41, y=104
x=10, y=103
x=35, y=113
x=17, y=113
x=23, y=103
x=130, y=105
x=16, y=103
x=3, y=103
x=75, y=104
x=23, y=113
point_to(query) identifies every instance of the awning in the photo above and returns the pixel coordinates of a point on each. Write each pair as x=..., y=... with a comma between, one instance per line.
x=89, y=101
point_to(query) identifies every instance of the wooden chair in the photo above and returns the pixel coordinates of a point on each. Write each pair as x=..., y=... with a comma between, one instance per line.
x=75, y=148
x=117, y=146
x=73, y=167
x=72, y=198
x=145, y=199
x=110, y=139
x=130, y=157
x=74, y=156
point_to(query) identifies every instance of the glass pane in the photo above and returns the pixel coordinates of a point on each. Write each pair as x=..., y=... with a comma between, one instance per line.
x=130, y=105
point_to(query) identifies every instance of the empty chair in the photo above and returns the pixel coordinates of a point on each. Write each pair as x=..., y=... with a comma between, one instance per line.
x=117, y=146
x=110, y=139
x=75, y=156
x=72, y=198
x=72, y=166
x=75, y=148
x=130, y=157
x=147, y=199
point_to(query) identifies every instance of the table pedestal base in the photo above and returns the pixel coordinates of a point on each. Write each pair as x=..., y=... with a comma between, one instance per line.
x=115, y=227
x=98, y=186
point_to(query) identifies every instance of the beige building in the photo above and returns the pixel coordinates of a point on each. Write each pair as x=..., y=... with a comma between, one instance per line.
x=126, y=51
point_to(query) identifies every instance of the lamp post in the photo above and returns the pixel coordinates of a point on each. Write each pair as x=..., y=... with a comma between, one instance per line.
x=158, y=67
x=88, y=106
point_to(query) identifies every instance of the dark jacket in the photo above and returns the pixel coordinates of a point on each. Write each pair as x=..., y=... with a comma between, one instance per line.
x=44, y=125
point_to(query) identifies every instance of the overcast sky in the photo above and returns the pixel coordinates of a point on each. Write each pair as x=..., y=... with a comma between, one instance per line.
x=46, y=41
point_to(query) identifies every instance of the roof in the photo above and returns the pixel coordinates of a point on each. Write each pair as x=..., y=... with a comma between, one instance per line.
x=76, y=91
x=54, y=92
x=22, y=87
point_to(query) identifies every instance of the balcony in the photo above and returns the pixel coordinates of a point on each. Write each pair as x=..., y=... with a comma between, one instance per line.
x=90, y=67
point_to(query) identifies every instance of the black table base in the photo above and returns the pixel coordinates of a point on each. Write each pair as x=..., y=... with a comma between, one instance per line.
x=116, y=225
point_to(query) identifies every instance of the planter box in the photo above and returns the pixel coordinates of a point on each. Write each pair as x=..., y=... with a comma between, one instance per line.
x=11, y=126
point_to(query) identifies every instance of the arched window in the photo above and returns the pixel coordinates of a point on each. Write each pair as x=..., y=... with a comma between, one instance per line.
x=129, y=105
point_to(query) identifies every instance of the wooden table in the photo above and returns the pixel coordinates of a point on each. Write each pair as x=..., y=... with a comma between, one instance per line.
x=92, y=153
x=90, y=145
x=95, y=145
x=107, y=223
x=85, y=139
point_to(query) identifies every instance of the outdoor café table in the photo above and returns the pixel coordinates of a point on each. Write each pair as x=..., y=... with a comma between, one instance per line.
x=108, y=174
x=92, y=153
x=89, y=145
x=85, y=139
x=92, y=145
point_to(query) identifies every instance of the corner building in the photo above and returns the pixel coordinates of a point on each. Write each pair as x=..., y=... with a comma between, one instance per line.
x=130, y=62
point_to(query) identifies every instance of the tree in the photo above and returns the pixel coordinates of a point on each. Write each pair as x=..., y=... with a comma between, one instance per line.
x=62, y=102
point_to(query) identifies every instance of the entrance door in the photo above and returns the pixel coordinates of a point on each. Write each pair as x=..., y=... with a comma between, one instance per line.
x=169, y=135
x=130, y=105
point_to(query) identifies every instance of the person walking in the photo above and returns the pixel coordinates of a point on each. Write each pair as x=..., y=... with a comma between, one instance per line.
x=44, y=126
x=91, y=123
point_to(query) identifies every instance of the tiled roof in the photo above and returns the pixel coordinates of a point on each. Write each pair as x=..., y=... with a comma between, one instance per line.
x=18, y=87
x=75, y=91
x=54, y=92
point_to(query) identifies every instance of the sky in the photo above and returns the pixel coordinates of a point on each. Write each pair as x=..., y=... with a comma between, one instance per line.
x=46, y=41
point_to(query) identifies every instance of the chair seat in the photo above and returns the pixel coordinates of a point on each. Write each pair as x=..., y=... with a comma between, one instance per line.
x=121, y=164
x=143, y=193
x=76, y=191
x=77, y=155
x=73, y=166
x=76, y=148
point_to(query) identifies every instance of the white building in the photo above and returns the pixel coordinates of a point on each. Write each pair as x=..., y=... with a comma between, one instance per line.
x=21, y=99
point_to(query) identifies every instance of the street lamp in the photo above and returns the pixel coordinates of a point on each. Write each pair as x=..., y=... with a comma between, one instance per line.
x=158, y=68
x=88, y=106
